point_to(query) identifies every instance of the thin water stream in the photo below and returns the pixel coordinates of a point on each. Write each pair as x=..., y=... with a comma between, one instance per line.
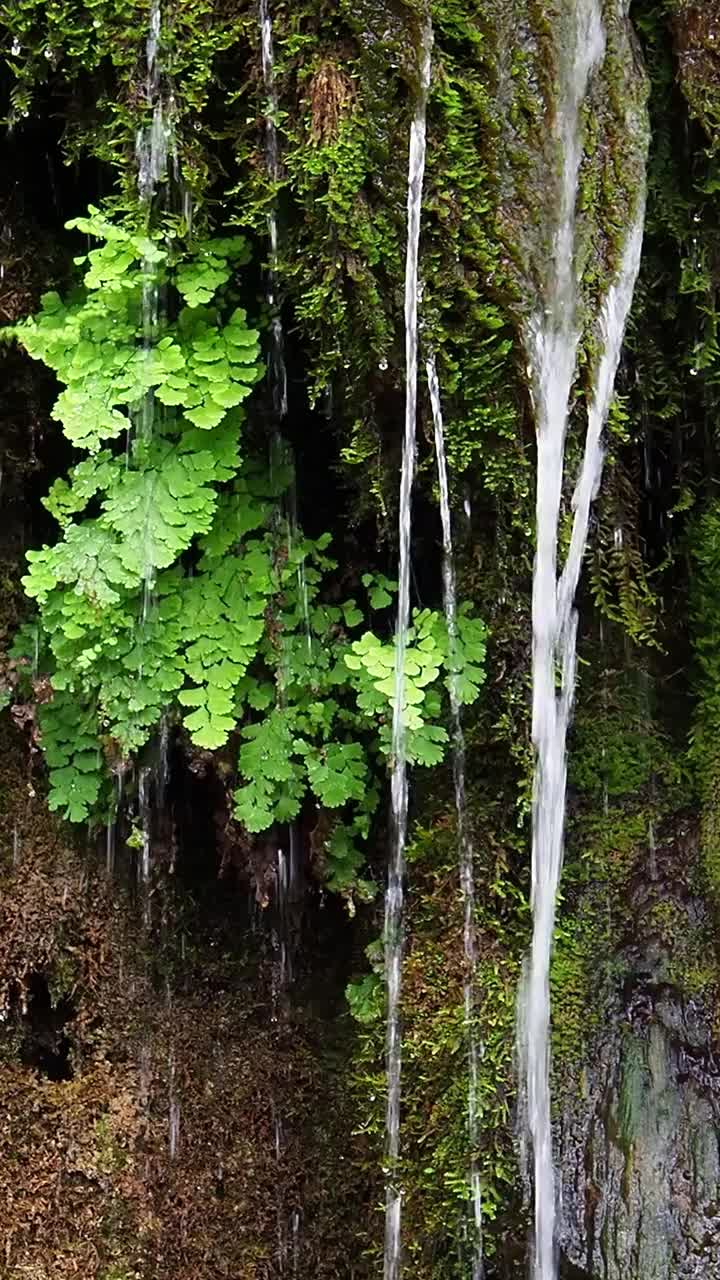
x=151, y=150
x=399, y=783
x=465, y=845
x=277, y=371
x=552, y=341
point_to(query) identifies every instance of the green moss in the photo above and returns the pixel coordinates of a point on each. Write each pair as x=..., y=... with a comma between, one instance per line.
x=111, y=1156
x=94, y=53
x=694, y=27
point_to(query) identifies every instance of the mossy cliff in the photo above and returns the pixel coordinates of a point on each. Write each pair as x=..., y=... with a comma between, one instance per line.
x=171, y=1102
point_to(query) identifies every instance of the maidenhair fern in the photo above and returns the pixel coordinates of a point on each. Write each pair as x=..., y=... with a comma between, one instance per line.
x=173, y=590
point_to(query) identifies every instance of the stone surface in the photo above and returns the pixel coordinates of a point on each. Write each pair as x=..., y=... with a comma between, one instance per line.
x=639, y=1141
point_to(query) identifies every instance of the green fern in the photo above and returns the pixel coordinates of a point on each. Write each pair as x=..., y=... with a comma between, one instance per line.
x=174, y=589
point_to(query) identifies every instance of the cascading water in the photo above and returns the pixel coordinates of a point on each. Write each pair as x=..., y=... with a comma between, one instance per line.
x=151, y=144
x=399, y=786
x=465, y=846
x=552, y=340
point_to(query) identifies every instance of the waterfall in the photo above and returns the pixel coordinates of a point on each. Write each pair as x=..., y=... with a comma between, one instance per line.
x=277, y=371
x=552, y=340
x=399, y=785
x=465, y=846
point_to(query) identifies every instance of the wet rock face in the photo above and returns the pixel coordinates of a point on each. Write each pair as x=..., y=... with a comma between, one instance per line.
x=696, y=32
x=640, y=1140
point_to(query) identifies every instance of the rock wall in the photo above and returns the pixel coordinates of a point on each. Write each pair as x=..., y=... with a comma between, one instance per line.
x=115, y=1038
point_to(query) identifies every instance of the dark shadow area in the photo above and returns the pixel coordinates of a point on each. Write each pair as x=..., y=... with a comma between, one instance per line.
x=46, y=1045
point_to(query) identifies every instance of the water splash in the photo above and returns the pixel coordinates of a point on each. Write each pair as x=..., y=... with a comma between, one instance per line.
x=552, y=341
x=399, y=785
x=465, y=846
x=277, y=369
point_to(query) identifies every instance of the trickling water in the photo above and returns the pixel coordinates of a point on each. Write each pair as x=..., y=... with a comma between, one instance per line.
x=151, y=151
x=279, y=1144
x=465, y=846
x=280, y=933
x=145, y=862
x=278, y=372
x=292, y=535
x=295, y=1228
x=111, y=829
x=173, y=1110
x=399, y=786
x=552, y=341
x=151, y=147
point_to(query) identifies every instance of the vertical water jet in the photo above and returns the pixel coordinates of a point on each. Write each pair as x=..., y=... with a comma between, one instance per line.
x=399, y=784
x=277, y=370
x=465, y=845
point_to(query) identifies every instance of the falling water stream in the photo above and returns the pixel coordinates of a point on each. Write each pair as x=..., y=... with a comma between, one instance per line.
x=277, y=372
x=465, y=846
x=151, y=151
x=399, y=784
x=552, y=340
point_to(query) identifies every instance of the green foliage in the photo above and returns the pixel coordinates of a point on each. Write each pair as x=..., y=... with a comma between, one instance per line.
x=704, y=544
x=72, y=754
x=426, y=653
x=434, y=1163
x=464, y=264
x=633, y=751
x=89, y=50
x=366, y=998
x=92, y=341
x=177, y=589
